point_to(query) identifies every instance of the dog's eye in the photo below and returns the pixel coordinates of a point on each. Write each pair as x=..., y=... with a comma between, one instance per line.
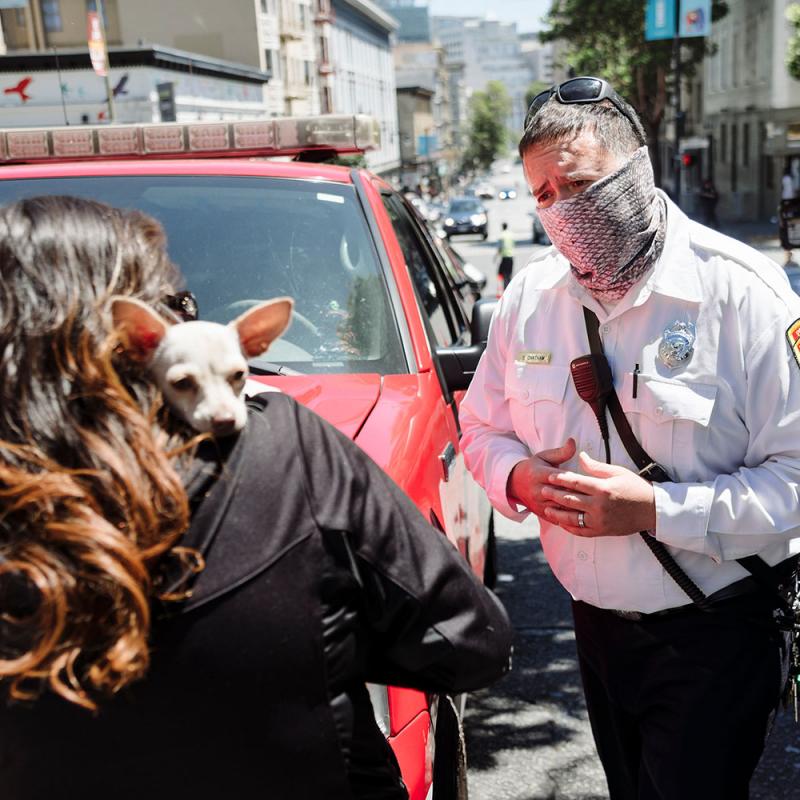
x=236, y=377
x=184, y=384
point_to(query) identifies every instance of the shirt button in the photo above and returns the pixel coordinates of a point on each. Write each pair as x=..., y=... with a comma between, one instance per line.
x=589, y=448
x=582, y=555
x=606, y=328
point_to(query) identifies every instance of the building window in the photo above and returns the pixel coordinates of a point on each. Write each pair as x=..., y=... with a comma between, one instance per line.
x=326, y=106
x=307, y=68
x=322, y=43
x=21, y=18
x=51, y=16
x=734, y=131
x=746, y=144
x=303, y=15
x=268, y=62
x=723, y=143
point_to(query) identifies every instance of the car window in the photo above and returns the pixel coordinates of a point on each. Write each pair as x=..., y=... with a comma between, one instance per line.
x=241, y=240
x=418, y=259
x=464, y=206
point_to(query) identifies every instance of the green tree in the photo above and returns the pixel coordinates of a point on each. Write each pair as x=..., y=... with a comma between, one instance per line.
x=487, y=137
x=606, y=38
x=793, y=50
x=537, y=87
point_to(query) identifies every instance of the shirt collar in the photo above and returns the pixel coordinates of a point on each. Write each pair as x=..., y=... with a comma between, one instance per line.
x=675, y=273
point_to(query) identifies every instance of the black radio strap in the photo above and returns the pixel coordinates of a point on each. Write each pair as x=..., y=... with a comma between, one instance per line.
x=762, y=573
x=648, y=469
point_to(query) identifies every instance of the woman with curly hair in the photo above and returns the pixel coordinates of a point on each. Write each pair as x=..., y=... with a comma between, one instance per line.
x=194, y=620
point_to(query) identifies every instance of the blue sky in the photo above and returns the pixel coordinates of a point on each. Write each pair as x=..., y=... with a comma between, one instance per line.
x=526, y=13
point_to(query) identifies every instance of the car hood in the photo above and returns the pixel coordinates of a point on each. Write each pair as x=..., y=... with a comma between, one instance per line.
x=344, y=400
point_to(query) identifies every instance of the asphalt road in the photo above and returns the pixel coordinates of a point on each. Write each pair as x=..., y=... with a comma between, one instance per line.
x=528, y=737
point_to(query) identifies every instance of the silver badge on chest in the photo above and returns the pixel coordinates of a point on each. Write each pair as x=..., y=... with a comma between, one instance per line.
x=677, y=344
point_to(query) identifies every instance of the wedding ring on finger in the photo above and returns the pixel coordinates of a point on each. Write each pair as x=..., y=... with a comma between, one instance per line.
x=581, y=519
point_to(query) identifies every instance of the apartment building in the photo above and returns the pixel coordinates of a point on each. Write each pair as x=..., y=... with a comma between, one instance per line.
x=356, y=71
x=271, y=42
x=489, y=50
x=539, y=57
x=745, y=111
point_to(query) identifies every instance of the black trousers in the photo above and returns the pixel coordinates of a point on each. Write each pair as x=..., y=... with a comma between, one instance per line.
x=506, y=268
x=680, y=705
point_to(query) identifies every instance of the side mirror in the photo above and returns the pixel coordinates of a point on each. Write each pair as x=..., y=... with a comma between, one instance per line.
x=482, y=313
x=458, y=363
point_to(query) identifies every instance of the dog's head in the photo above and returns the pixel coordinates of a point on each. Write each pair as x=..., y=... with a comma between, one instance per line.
x=201, y=367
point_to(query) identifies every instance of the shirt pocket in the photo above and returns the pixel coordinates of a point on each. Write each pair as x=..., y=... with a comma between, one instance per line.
x=670, y=420
x=535, y=395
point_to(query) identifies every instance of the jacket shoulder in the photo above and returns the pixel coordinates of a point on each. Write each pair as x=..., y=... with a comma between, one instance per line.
x=706, y=241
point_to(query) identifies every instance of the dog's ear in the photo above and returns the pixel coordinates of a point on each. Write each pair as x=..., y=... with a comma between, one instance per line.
x=261, y=325
x=141, y=330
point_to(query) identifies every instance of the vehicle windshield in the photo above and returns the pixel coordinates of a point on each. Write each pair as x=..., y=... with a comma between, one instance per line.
x=464, y=206
x=241, y=240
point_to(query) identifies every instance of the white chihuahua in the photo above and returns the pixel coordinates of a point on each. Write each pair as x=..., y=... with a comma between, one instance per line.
x=201, y=367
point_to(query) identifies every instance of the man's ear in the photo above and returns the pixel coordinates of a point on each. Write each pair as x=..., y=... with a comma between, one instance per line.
x=261, y=325
x=141, y=330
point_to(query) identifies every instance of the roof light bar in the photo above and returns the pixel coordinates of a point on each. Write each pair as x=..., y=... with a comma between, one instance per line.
x=264, y=137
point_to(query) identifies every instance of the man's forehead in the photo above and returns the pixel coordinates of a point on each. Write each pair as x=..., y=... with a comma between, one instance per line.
x=568, y=148
x=581, y=152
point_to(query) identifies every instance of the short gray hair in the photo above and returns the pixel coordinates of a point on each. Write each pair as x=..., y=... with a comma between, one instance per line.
x=560, y=122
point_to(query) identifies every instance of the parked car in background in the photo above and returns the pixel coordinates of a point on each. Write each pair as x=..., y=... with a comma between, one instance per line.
x=436, y=211
x=466, y=278
x=485, y=190
x=507, y=193
x=466, y=215
x=539, y=234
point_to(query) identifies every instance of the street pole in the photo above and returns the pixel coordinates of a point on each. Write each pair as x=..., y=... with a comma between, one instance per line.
x=61, y=86
x=676, y=55
x=109, y=91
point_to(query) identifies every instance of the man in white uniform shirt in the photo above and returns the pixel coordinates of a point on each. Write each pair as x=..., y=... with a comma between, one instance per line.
x=701, y=334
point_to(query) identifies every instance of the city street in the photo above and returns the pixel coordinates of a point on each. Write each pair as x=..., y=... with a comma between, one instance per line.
x=528, y=737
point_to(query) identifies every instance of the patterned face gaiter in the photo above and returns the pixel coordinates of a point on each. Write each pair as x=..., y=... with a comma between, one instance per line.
x=613, y=232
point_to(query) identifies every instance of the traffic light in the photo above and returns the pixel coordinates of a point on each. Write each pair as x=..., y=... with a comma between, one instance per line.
x=688, y=160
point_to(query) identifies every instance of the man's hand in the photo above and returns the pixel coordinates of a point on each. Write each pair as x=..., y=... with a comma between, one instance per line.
x=614, y=500
x=529, y=477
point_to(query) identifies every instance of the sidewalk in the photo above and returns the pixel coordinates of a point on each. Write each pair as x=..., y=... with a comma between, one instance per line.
x=763, y=236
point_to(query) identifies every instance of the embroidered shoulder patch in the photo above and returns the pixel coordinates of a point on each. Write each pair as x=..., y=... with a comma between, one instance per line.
x=793, y=336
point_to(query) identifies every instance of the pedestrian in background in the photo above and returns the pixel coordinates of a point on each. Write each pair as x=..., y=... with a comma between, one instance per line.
x=787, y=185
x=139, y=659
x=709, y=197
x=505, y=257
x=699, y=336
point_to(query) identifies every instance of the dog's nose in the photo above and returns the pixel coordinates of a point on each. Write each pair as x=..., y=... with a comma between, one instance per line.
x=223, y=425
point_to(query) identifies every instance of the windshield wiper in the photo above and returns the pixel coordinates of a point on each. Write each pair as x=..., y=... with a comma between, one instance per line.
x=266, y=368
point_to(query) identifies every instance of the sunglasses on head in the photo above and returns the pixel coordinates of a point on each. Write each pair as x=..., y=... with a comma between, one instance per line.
x=583, y=90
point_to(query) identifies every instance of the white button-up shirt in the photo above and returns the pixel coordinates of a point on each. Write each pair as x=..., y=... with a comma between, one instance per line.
x=724, y=423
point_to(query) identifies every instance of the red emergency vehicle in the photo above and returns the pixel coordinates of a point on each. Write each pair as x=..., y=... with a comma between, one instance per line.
x=385, y=336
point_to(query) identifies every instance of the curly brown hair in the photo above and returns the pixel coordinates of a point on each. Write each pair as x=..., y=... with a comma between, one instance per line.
x=89, y=498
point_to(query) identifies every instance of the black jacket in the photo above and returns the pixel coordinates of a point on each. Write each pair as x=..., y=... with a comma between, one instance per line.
x=321, y=575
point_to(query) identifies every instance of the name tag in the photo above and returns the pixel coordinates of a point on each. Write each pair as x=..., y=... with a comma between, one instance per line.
x=532, y=357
